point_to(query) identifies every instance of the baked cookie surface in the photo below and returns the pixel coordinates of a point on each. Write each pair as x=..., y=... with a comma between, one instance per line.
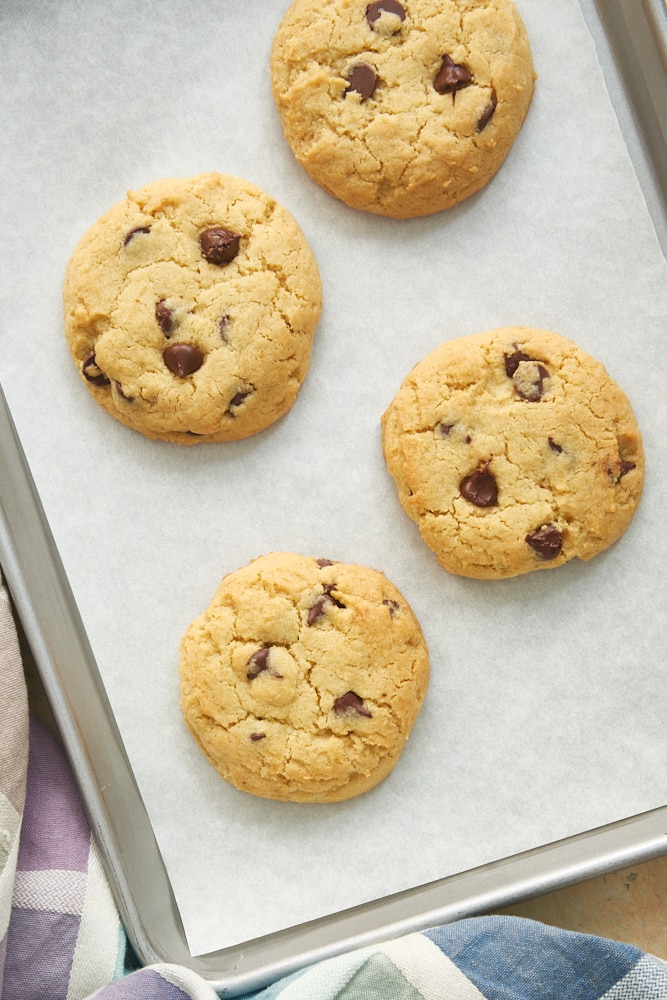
x=513, y=450
x=402, y=108
x=303, y=678
x=190, y=309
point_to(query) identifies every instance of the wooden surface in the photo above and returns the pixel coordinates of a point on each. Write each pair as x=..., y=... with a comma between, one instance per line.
x=629, y=905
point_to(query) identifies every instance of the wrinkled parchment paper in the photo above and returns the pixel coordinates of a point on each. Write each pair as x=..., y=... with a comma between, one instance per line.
x=545, y=714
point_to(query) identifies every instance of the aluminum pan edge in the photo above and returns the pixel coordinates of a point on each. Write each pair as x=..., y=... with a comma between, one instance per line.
x=631, y=39
x=631, y=42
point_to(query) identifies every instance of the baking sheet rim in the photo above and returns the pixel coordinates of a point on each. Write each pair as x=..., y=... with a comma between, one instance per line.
x=65, y=662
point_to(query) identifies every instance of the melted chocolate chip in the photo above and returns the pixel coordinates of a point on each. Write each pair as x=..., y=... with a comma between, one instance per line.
x=480, y=488
x=546, y=541
x=218, y=245
x=375, y=10
x=626, y=467
x=133, y=232
x=487, y=113
x=452, y=77
x=182, y=359
x=258, y=663
x=362, y=80
x=164, y=317
x=257, y=736
x=92, y=372
x=555, y=447
x=394, y=607
x=351, y=702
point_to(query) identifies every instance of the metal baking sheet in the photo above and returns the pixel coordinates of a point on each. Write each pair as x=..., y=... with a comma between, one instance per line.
x=43, y=593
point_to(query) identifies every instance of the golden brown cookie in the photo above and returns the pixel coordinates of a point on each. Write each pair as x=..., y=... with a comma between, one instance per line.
x=402, y=108
x=513, y=450
x=190, y=309
x=303, y=678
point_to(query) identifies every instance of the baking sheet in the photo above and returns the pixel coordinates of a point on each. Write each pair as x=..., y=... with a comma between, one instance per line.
x=545, y=708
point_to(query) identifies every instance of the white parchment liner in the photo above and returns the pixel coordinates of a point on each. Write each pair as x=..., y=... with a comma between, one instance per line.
x=546, y=710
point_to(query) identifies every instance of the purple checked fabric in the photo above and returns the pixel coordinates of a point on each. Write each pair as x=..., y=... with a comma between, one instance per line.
x=60, y=933
x=61, y=937
x=52, y=871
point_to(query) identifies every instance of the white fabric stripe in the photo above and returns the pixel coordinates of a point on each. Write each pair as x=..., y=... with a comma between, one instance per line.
x=326, y=979
x=647, y=981
x=53, y=890
x=186, y=980
x=10, y=828
x=96, y=951
x=430, y=971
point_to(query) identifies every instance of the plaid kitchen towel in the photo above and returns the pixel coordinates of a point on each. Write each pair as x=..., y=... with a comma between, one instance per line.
x=61, y=937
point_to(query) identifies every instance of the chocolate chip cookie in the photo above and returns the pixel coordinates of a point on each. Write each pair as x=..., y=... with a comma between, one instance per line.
x=513, y=450
x=190, y=309
x=303, y=678
x=402, y=108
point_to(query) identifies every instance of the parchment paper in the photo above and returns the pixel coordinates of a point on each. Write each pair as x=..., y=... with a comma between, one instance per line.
x=545, y=715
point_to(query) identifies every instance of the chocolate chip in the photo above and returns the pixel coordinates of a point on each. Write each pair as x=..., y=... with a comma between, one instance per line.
x=512, y=361
x=223, y=323
x=480, y=488
x=323, y=562
x=616, y=473
x=555, y=447
x=319, y=606
x=444, y=429
x=218, y=245
x=487, y=113
x=164, y=317
x=452, y=77
x=362, y=80
x=92, y=372
x=328, y=592
x=240, y=397
x=529, y=379
x=351, y=702
x=258, y=663
x=316, y=610
x=547, y=541
x=375, y=10
x=257, y=736
x=133, y=232
x=394, y=607
x=121, y=392
x=182, y=359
